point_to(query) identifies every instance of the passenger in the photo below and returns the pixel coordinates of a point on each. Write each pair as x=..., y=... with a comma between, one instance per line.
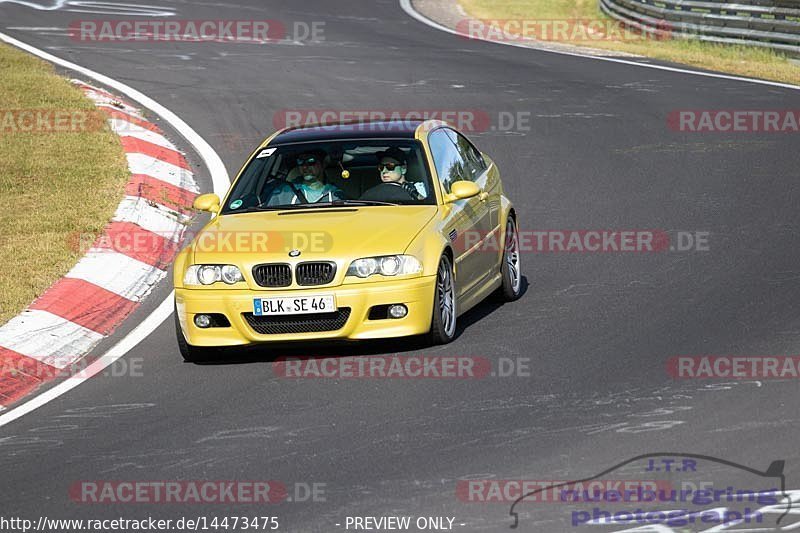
x=312, y=187
x=393, y=167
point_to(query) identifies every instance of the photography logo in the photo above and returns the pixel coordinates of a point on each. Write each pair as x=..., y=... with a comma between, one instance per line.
x=773, y=499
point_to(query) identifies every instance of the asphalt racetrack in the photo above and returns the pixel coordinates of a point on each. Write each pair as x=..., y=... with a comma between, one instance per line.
x=588, y=342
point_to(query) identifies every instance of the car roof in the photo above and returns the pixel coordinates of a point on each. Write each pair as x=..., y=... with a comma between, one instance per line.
x=375, y=129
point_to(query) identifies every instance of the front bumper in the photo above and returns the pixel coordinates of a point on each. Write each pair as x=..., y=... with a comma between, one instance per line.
x=416, y=293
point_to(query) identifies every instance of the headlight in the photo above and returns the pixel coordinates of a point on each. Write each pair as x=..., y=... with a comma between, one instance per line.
x=231, y=274
x=386, y=265
x=210, y=274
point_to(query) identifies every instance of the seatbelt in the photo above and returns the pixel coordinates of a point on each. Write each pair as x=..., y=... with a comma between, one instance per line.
x=298, y=193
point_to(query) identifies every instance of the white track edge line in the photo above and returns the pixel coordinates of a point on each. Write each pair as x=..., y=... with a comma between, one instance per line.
x=137, y=335
x=220, y=182
x=413, y=13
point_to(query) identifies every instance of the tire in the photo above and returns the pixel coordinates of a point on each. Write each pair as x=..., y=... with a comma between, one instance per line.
x=511, y=273
x=191, y=354
x=445, y=309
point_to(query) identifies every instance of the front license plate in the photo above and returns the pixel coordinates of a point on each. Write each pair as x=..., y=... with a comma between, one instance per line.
x=300, y=305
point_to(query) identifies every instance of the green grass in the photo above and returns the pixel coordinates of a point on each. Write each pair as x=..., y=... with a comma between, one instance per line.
x=748, y=61
x=53, y=186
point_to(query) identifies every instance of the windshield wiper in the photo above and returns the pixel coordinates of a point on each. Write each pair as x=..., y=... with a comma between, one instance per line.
x=269, y=208
x=337, y=203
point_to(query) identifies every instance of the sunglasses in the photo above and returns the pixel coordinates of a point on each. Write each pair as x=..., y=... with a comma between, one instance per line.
x=306, y=161
x=388, y=166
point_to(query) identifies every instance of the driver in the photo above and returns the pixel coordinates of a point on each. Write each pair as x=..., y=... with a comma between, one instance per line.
x=393, y=166
x=312, y=188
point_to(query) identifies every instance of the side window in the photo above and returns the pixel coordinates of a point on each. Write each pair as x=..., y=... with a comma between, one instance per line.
x=474, y=160
x=450, y=166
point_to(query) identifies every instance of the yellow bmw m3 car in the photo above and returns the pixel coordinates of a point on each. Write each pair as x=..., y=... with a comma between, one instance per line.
x=348, y=231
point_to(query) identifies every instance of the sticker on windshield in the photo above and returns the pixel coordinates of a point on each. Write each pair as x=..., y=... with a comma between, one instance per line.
x=236, y=204
x=266, y=153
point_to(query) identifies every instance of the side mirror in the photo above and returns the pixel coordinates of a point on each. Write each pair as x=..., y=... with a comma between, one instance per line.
x=207, y=202
x=460, y=190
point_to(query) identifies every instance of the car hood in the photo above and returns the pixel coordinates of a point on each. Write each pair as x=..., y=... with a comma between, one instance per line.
x=337, y=234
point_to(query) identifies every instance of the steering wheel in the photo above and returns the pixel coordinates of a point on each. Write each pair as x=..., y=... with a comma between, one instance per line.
x=387, y=192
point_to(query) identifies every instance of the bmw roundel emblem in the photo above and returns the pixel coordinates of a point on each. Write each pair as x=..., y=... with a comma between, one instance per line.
x=294, y=253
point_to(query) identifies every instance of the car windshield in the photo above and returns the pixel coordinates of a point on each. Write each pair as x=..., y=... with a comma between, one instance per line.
x=331, y=174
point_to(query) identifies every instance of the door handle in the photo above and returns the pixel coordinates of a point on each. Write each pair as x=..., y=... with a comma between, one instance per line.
x=483, y=196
